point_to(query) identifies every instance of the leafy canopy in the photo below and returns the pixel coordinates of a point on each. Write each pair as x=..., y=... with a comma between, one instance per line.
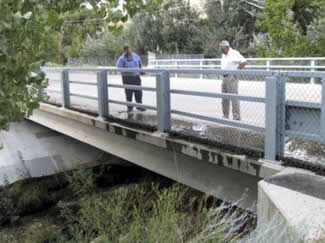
x=27, y=28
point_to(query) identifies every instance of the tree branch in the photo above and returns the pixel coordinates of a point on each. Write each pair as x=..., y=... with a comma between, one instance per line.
x=253, y=4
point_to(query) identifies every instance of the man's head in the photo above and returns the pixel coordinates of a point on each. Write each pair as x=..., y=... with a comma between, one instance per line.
x=224, y=46
x=127, y=49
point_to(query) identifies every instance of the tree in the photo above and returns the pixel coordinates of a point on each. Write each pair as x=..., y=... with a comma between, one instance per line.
x=79, y=26
x=316, y=29
x=289, y=25
x=26, y=26
x=232, y=20
x=168, y=31
x=108, y=45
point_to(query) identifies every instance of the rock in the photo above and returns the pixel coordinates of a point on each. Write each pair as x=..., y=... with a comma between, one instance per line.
x=65, y=234
x=14, y=219
x=74, y=205
x=4, y=220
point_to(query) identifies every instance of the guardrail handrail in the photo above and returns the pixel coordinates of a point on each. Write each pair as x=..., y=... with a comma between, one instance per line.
x=276, y=103
x=202, y=63
x=249, y=58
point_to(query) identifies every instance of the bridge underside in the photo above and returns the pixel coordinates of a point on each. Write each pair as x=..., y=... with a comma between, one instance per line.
x=231, y=177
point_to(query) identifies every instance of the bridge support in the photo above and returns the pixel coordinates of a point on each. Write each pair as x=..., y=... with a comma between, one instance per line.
x=291, y=207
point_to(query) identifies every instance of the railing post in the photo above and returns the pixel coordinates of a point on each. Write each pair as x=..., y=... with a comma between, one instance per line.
x=176, y=67
x=102, y=91
x=322, y=121
x=201, y=68
x=65, y=89
x=274, y=117
x=313, y=64
x=163, y=102
x=268, y=65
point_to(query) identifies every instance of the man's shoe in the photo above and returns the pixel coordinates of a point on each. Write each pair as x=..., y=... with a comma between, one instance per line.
x=141, y=109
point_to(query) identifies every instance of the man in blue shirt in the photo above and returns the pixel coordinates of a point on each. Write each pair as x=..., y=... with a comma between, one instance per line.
x=130, y=59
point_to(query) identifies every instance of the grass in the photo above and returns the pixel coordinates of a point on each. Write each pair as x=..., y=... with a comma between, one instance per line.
x=134, y=214
x=82, y=181
x=140, y=212
x=34, y=231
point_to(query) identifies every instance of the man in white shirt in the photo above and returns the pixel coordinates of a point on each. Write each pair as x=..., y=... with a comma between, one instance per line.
x=231, y=60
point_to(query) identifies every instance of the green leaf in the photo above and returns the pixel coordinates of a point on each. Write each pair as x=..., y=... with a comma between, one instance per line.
x=18, y=15
x=27, y=15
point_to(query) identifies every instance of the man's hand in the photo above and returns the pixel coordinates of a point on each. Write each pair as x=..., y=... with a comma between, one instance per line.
x=242, y=65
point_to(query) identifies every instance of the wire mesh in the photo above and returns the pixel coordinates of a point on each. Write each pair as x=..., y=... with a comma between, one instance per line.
x=146, y=118
x=53, y=90
x=214, y=132
x=83, y=94
x=304, y=119
x=201, y=114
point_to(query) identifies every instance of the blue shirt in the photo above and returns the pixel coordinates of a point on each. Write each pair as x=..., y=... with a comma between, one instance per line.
x=131, y=61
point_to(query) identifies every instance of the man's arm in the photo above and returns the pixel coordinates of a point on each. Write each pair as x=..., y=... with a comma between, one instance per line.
x=140, y=65
x=119, y=62
x=242, y=64
x=242, y=60
x=139, y=61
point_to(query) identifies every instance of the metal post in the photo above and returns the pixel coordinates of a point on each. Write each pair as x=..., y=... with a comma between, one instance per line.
x=322, y=121
x=176, y=67
x=274, y=118
x=313, y=64
x=65, y=89
x=163, y=101
x=268, y=65
x=102, y=91
x=201, y=68
x=281, y=92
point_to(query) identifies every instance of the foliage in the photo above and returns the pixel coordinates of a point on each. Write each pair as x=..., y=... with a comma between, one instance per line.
x=108, y=45
x=34, y=231
x=80, y=25
x=172, y=31
x=27, y=29
x=141, y=215
x=233, y=21
x=82, y=181
x=300, y=20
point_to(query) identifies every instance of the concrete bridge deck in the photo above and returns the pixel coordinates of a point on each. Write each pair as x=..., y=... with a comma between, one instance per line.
x=202, y=167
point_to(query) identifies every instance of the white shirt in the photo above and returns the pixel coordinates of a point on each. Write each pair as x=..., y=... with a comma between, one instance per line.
x=231, y=60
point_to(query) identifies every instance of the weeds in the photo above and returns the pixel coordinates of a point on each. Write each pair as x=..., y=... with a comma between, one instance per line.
x=82, y=181
x=127, y=215
x=141, y=212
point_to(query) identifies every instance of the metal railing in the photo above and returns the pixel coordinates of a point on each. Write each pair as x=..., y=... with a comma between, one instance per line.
x=269, y=64
x=283, y=117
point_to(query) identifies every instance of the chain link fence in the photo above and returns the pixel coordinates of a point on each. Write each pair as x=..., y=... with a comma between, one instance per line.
x=216, y=111
x=303, y=116
x=99, y=61
x=227, y=110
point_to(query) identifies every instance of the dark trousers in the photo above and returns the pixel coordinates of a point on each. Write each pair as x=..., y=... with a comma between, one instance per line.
x=132, y=80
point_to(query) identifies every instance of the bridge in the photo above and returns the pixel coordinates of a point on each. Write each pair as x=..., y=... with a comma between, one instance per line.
x=182, y=134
